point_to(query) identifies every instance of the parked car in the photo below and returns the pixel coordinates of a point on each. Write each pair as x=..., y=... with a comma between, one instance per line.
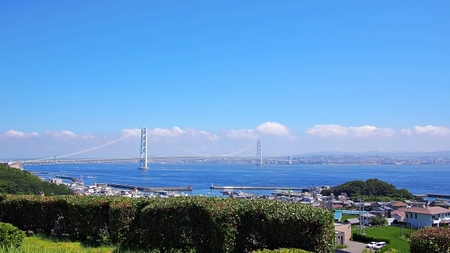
x=379, y=245
x=371, y=244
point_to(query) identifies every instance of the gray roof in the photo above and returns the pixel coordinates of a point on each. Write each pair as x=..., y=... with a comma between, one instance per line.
x=353, y=220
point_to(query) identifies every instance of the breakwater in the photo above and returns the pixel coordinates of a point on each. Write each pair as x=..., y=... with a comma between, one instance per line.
x=74, y=179
x=151, y=189
x=251, y=188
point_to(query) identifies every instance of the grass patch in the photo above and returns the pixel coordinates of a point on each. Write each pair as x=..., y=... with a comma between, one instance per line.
x=345, y=217
x=38, y=244
x=41, y=244
x=399, y=239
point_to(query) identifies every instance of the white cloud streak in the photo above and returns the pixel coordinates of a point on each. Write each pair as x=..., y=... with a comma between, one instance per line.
x=428, y=130
x=241, y=134
x=19, y=134
x=174, y=132
x=61, y=134
x=358, y=131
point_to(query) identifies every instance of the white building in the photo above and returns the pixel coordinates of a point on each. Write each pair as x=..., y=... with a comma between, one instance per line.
x=426, y=217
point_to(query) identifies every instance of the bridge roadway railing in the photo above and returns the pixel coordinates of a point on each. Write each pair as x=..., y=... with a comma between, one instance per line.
x=119, y=160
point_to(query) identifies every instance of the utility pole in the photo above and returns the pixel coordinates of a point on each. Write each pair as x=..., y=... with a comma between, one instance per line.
x=362, y=229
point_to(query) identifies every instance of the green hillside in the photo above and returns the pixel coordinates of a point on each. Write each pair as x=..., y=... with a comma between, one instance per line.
x=15, y=181
x=371, y=189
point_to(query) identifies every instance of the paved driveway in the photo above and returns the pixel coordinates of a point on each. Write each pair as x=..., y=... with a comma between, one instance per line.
x=352, y=247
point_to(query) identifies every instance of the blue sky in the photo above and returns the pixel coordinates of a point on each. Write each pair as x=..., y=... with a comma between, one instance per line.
x=214, y=76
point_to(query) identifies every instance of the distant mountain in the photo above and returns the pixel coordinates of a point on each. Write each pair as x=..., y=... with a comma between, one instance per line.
x=377, y=153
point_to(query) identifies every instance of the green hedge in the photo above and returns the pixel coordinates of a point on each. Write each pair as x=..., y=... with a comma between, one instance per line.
x=201, y=224
x=430, y=240
x=366, y=239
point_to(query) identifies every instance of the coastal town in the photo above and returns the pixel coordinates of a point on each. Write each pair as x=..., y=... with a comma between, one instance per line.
x=426, y=211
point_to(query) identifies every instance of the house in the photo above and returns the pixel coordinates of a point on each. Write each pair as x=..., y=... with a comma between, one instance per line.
x=426, y=217
x=442, y=203
x=352, y=221
x=420, y=204
x=398, y=215
x=398, y=205
x=367, y=218
x=343, y=232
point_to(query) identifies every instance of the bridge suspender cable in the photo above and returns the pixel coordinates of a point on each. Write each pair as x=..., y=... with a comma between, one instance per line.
x=86, y=150
x=129, y=135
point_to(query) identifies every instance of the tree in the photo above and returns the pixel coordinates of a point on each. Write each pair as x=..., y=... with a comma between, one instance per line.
x=378, y=221
x=371, y=189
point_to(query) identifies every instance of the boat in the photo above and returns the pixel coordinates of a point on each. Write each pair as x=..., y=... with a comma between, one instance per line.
x=143, y=168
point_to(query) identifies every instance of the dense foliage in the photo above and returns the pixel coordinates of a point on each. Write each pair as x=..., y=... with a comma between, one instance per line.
x=15, y=181
x=10, y=236
x=366, y=239
x=430, y=240
x=378, y=221
x=201, y=224
x=371, y=189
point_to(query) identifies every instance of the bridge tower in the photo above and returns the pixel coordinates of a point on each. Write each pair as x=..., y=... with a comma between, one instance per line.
x=259, y=153
x=143, y=155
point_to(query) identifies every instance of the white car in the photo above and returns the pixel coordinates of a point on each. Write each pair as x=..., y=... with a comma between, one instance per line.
x=371, y=244
x=379, y=245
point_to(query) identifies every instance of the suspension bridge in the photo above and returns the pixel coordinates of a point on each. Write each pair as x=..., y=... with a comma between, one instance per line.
x=143, y=158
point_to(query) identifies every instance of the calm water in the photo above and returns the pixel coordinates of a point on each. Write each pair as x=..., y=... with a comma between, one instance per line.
x=415, y=178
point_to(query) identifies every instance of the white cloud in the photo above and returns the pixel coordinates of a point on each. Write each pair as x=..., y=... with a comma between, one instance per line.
x=196, y=133
x=136, y=132
x=427, y=130
x=366, y=131
x=327, y=130
x=88, y=136
x=178, y=132
x=272, y=128
x=359, y=131
x=61, y=134
x=164, y=132
x=241, y=134
x=19, y=134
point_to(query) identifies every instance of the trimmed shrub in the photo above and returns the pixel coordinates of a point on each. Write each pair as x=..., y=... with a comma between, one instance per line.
x=10, y=236
x=201, y=224
x=88, y=218
x=34, y=213
x=430, y=240
x=121, y=217
x=366, y=239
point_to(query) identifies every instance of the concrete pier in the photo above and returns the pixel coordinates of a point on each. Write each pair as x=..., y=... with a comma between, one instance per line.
x=434, y=195
x=151, y=189
x=214, y=187
x=74, y=179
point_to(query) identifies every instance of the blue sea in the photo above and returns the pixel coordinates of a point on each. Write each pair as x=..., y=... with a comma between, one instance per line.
x=418, y=179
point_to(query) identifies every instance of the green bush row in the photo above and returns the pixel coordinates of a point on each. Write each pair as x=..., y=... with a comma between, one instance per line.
x=366, y=239
x=202, y=224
